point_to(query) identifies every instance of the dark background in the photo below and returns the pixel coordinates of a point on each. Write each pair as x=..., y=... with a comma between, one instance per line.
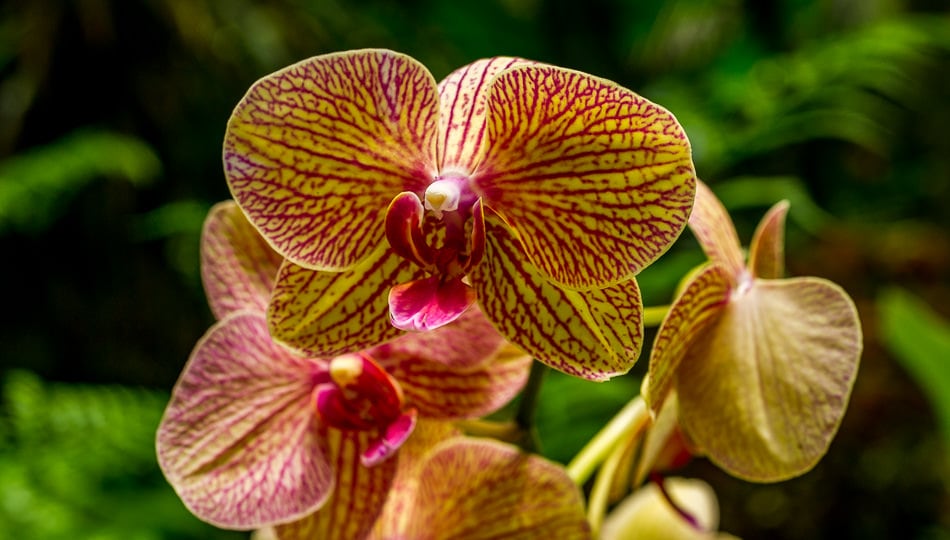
x=112, y=115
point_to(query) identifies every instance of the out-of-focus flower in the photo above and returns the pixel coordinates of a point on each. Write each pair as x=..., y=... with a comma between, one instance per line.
x=481, y=489
x=256, y=434
x=762, y=366
x=537, y=190
x=649, y=514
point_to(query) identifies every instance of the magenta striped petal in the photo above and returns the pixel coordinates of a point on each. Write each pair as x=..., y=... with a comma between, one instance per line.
x=596, y=181
x=592, y=334
x=698, y=306
x=767, y=250
x=315, y=152
x=715, y=232
x=357, y=499
x=480, y=489
x=326, y=314
x=463, y=102
x=238, y=268
x=239, y=441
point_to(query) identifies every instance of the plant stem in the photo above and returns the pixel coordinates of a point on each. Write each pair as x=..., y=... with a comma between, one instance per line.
x=654, y=315
x=524, y=416
x=633, y=417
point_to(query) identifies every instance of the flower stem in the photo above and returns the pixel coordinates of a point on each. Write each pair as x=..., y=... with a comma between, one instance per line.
x=524, y=416
x=654, y=315
x=633, y=417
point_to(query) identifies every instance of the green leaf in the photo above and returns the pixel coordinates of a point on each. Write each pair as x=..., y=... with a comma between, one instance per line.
x=35, y=185
x=920, y=340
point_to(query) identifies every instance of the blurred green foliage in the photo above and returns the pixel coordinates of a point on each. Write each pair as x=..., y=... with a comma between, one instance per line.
x=79, y=462
x=920, y=339
x=35, y=185
x=111, y=121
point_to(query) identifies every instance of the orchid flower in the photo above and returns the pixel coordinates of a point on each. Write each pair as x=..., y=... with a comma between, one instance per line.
x=762, y=366
x=256, y=434
x=537, y=191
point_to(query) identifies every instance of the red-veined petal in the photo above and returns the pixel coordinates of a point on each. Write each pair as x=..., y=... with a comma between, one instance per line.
x=462, y=97
x=447, y=392
x=238, y=268
x=426, y=436
x=315, y=152
x=429, y=303
x=330, y=313
x=763, y=391
x=699, y=305
x=357, y=499
x=715, y=232
x=239, y=441
x=466, y=343
x=596, y=181
x=592, y=334
x=484, y=489
x=767, y=250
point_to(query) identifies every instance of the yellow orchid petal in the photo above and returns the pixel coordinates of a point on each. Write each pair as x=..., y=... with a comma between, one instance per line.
x=395, y=515
x=592, y=334
x=763, y=391
x=326, y=314
x=315, y=152
x=767, y=250
x=358, y=496
x=715, y=232
x=483, y=489
x=695, y=309
x=595, y=180
x=238, y=268
x=463, y=96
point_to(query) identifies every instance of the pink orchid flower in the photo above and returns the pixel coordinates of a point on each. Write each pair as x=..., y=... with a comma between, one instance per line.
x=761, y=366
x=537, y=191
x=256, y=434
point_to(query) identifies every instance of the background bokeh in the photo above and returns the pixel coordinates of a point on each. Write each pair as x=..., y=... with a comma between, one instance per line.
x=112, y=114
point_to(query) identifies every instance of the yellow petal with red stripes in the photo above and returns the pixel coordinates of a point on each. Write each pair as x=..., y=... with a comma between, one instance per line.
x=713, y=228
x=481, y=489
x=592, y=334
x=463, y=98
x=767, y=250
x=596, y=181
x=694, y=311
x=358, y=496
x=326, y=314
x=315, y=152
x=238, y=268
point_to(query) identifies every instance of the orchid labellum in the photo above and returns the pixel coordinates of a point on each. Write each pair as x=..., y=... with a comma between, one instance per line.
x=536, y=191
